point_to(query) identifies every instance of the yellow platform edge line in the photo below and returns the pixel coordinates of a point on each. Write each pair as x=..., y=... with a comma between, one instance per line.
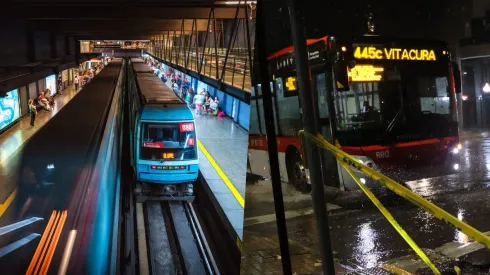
x=222, y=175
x=4, y=206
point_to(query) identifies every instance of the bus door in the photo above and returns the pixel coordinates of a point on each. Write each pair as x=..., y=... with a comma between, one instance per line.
x=319, y=93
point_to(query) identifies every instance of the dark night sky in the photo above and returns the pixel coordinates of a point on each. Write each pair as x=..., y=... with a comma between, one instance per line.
x=397, y=18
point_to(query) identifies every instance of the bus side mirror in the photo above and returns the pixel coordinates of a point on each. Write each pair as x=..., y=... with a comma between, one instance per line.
x=341, y=76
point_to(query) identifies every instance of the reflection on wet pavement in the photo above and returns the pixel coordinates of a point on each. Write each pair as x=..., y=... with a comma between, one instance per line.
x=362, y=238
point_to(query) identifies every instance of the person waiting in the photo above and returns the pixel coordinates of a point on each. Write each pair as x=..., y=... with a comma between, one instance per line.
x=32, y=111
x=48, y=97
x=199, y=101
x=43, y=102
x=189, y=98
x=214, y=106
x=76, y=82
x=207, y=103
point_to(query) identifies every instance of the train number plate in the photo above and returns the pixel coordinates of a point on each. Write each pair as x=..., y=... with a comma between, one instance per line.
x=169, y=167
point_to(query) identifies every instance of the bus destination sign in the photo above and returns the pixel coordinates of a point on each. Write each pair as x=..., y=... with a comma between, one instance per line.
x=386, y=53
x=366, y=73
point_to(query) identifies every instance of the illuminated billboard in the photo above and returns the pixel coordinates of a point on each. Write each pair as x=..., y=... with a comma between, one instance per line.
x=387, y=53
x=9, y=108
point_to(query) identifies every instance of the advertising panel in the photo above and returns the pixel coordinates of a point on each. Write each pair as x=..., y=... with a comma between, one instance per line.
x=9, y=108
x=51, y=84
x=64, y=75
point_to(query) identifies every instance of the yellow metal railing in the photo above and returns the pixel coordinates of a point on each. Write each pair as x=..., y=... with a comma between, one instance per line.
x=350, y=163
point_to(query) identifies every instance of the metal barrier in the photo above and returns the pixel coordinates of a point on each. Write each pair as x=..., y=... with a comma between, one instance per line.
x=348, y=162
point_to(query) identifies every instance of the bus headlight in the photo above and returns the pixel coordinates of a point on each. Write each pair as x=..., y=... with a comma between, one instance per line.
x=457, y=148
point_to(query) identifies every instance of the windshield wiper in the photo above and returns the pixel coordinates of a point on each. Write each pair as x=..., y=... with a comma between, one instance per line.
x=391, y=125
x=393, y=121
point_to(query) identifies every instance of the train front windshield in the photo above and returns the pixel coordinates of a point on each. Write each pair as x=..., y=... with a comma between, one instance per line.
x=402, y=102
x=168, y=141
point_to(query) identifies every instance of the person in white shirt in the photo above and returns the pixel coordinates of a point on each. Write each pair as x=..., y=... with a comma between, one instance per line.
x=76, y=82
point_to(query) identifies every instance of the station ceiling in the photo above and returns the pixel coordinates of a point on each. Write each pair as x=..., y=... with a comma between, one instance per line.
x=119, y=19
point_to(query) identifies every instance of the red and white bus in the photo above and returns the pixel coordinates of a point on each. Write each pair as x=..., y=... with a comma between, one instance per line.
x=398, y=115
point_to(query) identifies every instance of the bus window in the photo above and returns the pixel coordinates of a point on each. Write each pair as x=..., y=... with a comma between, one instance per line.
x=321, y=88
x=288, y=110
x=170, y=141
x=432, y=94
x=256, y=118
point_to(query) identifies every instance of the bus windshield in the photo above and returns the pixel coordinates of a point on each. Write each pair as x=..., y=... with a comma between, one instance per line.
x=168, y=141
x=395, y=104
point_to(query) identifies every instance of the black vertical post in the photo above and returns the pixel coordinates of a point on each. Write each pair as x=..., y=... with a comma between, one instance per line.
x=329, y=81
x=205, y=43
x=249, y=46
x=313, y=153
x=271, y=141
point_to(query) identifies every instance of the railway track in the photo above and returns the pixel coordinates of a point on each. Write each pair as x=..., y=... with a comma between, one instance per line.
x=171, y=240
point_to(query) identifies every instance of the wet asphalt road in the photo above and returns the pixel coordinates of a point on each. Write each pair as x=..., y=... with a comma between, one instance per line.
x=363, y=239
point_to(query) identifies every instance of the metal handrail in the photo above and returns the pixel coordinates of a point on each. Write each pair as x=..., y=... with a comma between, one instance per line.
x=238, y=76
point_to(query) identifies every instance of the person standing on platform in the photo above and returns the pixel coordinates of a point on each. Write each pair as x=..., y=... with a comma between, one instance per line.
x=32, y=111
x=76, y=83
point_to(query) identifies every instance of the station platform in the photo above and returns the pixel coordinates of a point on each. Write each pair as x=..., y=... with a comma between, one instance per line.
x=223, y=158
x=223, y=149
x=11, y=141
x=45, y=173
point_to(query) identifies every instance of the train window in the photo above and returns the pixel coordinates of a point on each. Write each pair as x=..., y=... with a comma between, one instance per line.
x=168, y=141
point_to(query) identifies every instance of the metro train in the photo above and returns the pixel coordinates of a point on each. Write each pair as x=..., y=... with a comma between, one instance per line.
x=163, y=135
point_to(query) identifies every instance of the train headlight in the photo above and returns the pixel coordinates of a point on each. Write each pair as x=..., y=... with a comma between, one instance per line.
x=50, y=166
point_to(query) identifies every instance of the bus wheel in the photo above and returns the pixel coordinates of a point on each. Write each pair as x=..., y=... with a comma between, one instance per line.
x=296, y=173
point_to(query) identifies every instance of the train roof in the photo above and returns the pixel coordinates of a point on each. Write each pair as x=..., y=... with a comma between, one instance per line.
x=141, y=68
x=137, y=60
x=154, y=92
